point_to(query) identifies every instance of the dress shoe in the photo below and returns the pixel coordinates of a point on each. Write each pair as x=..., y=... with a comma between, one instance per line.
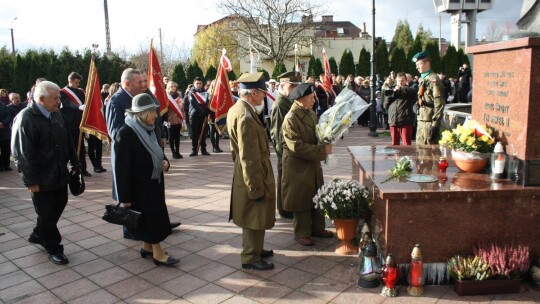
x=175, y=156
x=204, y=152
x=170, y=261
x=131, y=237
x=145, y=254
x=179, y=155
x=259, y=265
x=217, y=150
x=286, y=214
x=267, y=253
x=323, y=234
x=175, y=224
x=306, y=241
x=34, y=239
x=100, y=170
x=8, y=169
x=193, y=154
x=58, y=258
x=87, y=174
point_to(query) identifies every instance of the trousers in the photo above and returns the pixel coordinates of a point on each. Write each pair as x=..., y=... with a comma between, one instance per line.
x=49, y=206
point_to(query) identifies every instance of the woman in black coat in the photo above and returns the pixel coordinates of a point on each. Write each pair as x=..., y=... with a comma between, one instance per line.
x=139, y=167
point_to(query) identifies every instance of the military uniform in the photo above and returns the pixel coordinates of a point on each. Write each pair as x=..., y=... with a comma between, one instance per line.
x=280, y=108
x=302, y=172
x=430, y=112
x=253, y=189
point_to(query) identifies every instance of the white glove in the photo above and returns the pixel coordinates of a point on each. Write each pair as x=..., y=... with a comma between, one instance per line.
x=82, y=107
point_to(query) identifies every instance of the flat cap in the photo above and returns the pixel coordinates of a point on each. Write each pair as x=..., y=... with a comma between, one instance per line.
x=302, y=90
x=419, y=56
x=252, y=81
x=290, y=77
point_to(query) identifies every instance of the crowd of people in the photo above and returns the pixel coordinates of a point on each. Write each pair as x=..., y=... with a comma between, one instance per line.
x=44, y=133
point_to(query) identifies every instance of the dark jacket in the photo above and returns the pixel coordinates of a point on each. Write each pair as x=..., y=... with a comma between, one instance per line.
x=42, y=149
x=14, y=110
x=196, y=109
x=134, y=184
x=70, y=109
x=400, y=106
x=5, y=119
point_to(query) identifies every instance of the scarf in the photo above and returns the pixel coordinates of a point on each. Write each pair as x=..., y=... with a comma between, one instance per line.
x=423, y=75
x=149, y=141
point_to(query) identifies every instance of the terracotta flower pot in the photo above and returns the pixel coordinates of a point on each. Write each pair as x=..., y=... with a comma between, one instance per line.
x=470, y=162
x=346, y=233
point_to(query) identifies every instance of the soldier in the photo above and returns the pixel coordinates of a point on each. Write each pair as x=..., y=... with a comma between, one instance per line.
x=302, y=172
x=253, y=194
x=282, y=105
x=430, y=101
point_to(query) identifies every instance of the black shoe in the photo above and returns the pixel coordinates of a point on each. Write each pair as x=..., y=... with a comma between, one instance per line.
x=58, y=258
x=145, y=254
x=100, y=170
x=175, y=156
x=218, y=150
x=170, y=261
x=87, y=174
x=180, y=156
x=259, y=265
x=204, y=152
x=193, y=154
x=131, y=237
x=267, y=253
x=34, y=239
x=286, y=214
x=8, y=169
x=175, y=224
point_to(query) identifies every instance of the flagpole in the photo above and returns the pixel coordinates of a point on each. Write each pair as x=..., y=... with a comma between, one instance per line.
x=373, y=106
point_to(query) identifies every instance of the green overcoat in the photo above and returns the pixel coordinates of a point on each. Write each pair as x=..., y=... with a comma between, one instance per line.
x=302, y=156
x=253, y=193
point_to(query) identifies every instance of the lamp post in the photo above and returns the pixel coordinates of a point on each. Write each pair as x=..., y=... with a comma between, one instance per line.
x=373, y=106
x=12, y=39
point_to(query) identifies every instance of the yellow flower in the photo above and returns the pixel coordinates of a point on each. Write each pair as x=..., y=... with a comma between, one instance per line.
x=463, y=138
x=471, y=141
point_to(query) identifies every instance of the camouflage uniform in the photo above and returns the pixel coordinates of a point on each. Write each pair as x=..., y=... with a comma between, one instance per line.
x=431, y=111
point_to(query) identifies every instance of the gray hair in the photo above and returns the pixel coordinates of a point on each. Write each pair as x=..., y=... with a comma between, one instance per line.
x=245, y=92
x=127, y=74
x=42, y=89
x=12, y=95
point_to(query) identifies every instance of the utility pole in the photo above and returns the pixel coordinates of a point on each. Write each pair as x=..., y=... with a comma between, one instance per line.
x=440, y=34
x=107, y=29
x=373, y=106
x=12, y=38
x=160, y=45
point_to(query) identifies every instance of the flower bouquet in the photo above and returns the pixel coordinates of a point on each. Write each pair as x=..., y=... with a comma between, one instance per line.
x=335, y=121
x=402, y=168
x=339, y=199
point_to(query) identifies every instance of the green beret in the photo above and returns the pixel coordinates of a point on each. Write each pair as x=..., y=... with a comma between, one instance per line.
x=419, y=56
x=302, y=90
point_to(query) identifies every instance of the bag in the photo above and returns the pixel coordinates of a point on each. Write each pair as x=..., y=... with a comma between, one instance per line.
x=76, y=182
x=115, y=214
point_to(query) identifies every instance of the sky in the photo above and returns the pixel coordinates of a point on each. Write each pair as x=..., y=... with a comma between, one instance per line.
x=54, y=24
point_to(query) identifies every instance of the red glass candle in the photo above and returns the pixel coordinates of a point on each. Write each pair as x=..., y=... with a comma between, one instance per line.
x=416, y=277
x=443, y=164
x=389, y=276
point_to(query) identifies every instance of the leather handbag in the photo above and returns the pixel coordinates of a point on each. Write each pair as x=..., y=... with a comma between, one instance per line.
x=76, y=182
x=115, y=214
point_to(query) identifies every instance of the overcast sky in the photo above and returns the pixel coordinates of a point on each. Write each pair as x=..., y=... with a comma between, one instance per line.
x=77, y=24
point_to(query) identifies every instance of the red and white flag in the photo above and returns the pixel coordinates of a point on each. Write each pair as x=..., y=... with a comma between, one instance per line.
x=327, y=79
x=155, y=81
x=222, y=99
x=93, y=120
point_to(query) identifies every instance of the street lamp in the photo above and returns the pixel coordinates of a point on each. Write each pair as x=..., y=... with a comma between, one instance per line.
x=12, y=39
x=373, y=106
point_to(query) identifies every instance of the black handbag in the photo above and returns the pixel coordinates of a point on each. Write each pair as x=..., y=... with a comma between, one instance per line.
x=115, y=214
x=76, y=182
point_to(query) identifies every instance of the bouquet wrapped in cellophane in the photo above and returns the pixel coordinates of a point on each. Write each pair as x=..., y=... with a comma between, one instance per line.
x=335, y=121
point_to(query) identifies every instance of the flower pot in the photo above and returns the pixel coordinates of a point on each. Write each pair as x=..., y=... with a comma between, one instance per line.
x=346, y=233
x=470, y=162
x=471, y=288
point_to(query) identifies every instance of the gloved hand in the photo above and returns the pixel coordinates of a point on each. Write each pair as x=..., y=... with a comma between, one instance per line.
x=82, y=107
x=433, y=135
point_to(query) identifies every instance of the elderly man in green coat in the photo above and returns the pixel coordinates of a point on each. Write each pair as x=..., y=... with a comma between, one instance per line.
x=253, y=197
x=302, y=172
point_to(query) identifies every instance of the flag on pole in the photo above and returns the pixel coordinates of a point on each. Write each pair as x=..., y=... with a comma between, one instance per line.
x=327, y=79
x=93, y=120
x=155, y=81
x=222, y=99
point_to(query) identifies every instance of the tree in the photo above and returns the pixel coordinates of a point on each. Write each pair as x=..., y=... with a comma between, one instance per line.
x=346, y=65
x=179, y=76
x=382, y=63
x=6, y=66
x=317, y=68
x=232, y=75
x=433, y=49
x=211, y=73
x=333, y=65
x=20, y=79
x=462, y=58
x=265, y=73
x=274, y=26
x=194, y=71
x=416, y=47
x=278, y=70
x=403, y=37
x=398, y=62
x=364, y=63
x=450, y=62
x=423, y=35
x=210, y=41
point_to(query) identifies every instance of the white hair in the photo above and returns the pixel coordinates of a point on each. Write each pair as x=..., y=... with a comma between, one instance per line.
x=128, y=73
x=245, y=92
x=42, y=89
